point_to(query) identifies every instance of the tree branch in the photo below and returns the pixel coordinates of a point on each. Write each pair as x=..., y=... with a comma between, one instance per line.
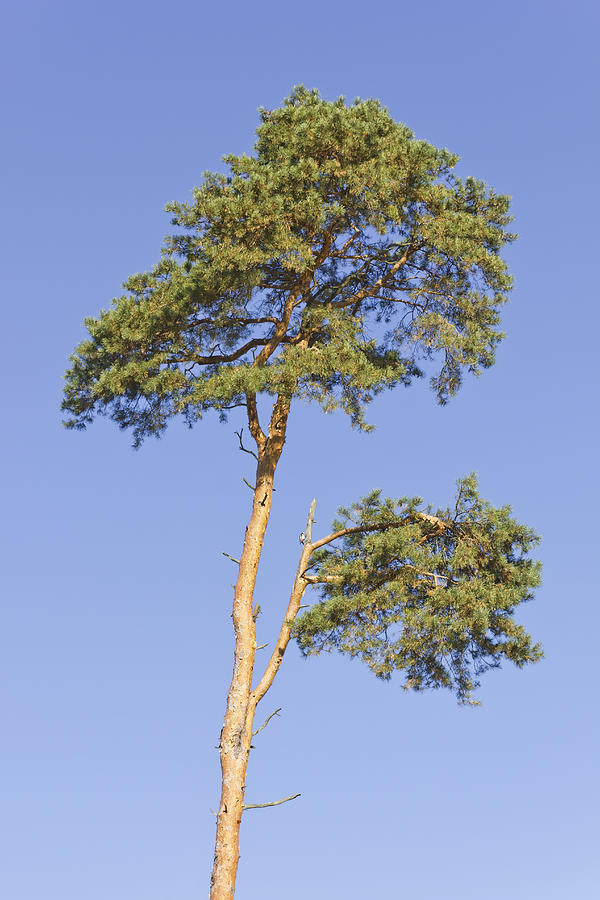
x=245, y=449
x=267, y=720
x=293, y=299
x=272, y=803
x=364, y=293
x=323, y=579
x=232, y=558
x=296, y=595
x=340, y=253
x=224, y=357
x=356, y=529
x=344, y=531
x=382, y=573
x=254, y=423
x=234, y=322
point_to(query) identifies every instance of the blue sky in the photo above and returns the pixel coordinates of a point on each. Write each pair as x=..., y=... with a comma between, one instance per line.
x=116, y=643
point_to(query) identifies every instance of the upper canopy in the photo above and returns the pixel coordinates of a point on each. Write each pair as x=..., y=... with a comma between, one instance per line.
x=326, y=265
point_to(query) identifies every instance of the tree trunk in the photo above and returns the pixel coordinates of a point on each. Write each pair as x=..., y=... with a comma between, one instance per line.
x=236, y=734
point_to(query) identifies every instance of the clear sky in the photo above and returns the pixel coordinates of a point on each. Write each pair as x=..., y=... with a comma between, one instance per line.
x=116, y=641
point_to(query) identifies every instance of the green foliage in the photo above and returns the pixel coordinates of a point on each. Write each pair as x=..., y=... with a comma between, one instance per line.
x=429, y=593
x=327, y=265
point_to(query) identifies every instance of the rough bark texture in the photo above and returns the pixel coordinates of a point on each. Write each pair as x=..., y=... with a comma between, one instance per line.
x=239, y=715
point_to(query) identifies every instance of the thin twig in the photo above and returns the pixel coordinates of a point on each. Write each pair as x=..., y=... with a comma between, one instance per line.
x=253, y=487
x=232, y=558
x=245, y=449
x=267, y=720
x=272, y=803
x=261, y=646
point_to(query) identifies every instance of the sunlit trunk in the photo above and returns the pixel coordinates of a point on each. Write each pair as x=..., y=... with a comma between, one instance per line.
x=239, y=715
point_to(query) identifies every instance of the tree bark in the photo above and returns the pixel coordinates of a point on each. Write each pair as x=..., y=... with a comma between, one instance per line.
x=236, y=734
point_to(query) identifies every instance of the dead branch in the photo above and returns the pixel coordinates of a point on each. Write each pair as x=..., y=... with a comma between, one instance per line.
x=245, y=449
x=267, y=720
x=272, y=803
x=232, y=558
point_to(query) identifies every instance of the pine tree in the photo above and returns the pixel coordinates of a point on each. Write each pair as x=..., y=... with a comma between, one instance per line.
x=335, y=262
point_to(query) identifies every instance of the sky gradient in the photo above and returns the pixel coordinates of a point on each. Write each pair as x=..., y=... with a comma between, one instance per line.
x=116, y=641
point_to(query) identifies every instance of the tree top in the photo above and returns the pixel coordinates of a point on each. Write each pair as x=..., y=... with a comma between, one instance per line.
x=327, y=265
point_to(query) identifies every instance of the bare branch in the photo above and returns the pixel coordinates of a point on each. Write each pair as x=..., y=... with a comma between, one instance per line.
x=232, y=558
x=383, y=281
x=340, y=253
x=344, y=531
x=234, y=321
x=245, y=449
x=261, y=646
x=296, y=595
x=272, y=803
x=262, y=321
x=267, y=720
x=251, y=486
x=223, y=357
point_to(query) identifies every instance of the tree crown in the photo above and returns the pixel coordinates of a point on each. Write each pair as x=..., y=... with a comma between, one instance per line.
x=428, y=592
x=328, y=265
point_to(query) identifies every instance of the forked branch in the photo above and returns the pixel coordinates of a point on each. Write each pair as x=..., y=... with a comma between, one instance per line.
x=297, y=593
x=245, y=449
